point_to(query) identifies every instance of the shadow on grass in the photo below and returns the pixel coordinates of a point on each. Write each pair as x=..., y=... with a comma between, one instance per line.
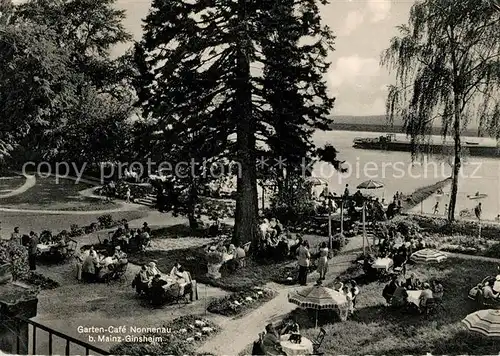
x=184, y=230
x=376, y=329
x=195, y=261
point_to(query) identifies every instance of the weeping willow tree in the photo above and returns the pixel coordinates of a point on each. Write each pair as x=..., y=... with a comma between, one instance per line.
x=447, y=65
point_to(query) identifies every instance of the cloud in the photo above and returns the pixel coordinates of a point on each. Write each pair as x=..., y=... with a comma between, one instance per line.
x=379, y=9
x=353, y=70
x=352, y=21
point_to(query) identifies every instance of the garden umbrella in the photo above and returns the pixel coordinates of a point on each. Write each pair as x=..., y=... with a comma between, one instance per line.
x=316, y=181
x=486, y=322
x=370, y=184
x=428, y=255
x=318, y=298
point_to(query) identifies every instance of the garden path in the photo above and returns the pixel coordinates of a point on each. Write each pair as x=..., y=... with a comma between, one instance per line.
x=238, y=333
x=28, y=184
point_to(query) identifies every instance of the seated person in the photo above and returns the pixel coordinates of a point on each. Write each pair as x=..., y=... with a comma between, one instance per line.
x=389, y=290
x=156, y=292
x=270, y=343
x=496, y=284
x=239, y=253
x=153, y=270
x=291, y=327
x=89, y=268
x=144, y=240
x=141, y=281
x=488, y=292
x=120, y=256
x=231, y=250
x=175, y=270
x=437, y=290
x=426, y=295
x=412, y=282
x=400, y=297
x=338, y=285
x=185, y=283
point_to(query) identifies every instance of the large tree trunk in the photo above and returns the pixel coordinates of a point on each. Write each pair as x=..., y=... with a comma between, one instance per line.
x=458, y=160
x=245, y=225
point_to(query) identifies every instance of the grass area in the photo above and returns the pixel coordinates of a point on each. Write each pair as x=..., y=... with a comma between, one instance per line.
x=8, y=184
x=195, y=261
x=378, y=330
x=56, y=223
x=48, y=193
x=423, y=193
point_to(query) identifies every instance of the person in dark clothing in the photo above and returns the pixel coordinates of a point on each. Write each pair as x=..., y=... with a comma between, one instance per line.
x=32, y=249
x=156, y=291
x=391, y=210
x=389, y=290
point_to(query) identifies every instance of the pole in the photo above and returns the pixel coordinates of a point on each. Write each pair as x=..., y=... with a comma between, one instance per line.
x=364, y=228
x=479, y=228
x=263, y=198
x=330, y=227
x=342, y=217
x=422, y=207
x=316, y=318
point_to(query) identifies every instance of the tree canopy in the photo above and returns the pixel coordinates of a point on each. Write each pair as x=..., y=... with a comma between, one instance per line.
x=447, y=65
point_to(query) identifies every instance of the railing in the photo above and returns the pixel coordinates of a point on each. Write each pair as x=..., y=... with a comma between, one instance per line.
x=69, y=340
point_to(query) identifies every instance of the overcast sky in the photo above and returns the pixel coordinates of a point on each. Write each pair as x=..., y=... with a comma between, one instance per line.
x=363, y=29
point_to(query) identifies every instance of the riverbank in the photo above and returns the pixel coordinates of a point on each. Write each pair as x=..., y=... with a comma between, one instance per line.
x=421, y=194
x=383, y=129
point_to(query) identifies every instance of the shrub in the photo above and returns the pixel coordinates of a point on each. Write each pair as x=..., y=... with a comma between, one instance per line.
x=105, y=221
x=40, y=280
x=17, y=256
x=214, y=257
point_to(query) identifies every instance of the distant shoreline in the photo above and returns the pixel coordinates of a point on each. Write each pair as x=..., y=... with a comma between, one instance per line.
x=386, y=129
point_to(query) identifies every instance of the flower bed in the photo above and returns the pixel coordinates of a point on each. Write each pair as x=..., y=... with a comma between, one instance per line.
x=184, y=335
x=288, y=276
x=241, y=302
x=39, y=280
x=16, y=256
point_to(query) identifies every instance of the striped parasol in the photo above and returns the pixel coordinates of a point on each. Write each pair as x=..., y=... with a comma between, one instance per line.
x=316, y=181
x=318, y=298
x=486, y=322
x=428, y=255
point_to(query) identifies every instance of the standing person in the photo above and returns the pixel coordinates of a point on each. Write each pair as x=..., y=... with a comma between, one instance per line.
x=478, y=211
x=16, y=236
x=436, y=208
x=32, y=249
x=323, y=261
x=304, y=260
x=128, y=195
x=346, y=191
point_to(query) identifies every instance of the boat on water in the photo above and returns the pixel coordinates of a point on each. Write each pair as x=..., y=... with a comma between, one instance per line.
x=477, y=196
x=390, y=143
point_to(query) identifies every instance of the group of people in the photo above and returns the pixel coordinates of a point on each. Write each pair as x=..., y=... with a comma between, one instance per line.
x=93, y=266
x=150, y=282
x=59, y=244
x=491, y=289
x=275, y=240
x=395, y=292
x=269, y=341
x=132, y=239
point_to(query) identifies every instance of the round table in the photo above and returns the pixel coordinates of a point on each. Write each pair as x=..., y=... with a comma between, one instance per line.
x=304, y=348
x=414, y=296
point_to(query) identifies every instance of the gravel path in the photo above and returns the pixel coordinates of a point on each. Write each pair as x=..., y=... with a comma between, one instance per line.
x=28, y=184
x=237, y=334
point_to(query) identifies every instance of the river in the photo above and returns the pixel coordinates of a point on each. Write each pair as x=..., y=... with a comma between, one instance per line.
x=397, y=172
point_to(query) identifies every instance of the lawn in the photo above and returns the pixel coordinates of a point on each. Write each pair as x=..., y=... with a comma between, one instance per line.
x=56, y=195
x=378, y=330
x=8, y=184
x=195, y=261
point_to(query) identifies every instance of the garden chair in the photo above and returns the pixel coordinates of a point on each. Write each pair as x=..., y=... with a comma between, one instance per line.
x=118, y=273
x=430, y=307
x=318, y=341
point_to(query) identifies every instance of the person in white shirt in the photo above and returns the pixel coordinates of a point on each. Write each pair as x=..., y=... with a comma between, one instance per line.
x=496, y=285
x=184, y=279
x=264, y=227
x=175, y=270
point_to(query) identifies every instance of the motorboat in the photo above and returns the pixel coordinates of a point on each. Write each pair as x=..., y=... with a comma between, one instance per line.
x=477, y=196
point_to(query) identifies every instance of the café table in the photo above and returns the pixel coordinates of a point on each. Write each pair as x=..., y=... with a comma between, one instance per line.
x=383, y=263
x=227, y=257
x=44, y=248
x=291, y=349
x=414, y=296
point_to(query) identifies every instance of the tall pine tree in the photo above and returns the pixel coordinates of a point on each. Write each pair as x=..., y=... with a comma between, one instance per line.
x=201, y=70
